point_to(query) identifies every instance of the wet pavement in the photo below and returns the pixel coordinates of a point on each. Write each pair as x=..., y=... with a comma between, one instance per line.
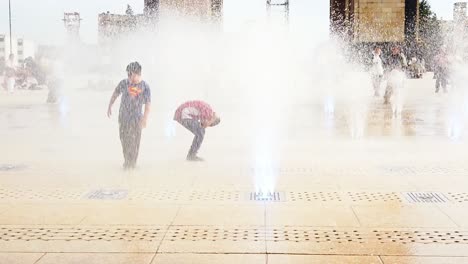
x=350, y=188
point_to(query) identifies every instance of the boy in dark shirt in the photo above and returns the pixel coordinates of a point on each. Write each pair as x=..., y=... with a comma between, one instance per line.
x=396, y=61
x=135, y=93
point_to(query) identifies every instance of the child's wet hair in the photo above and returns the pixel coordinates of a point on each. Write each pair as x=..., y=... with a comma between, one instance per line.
x=134, y=67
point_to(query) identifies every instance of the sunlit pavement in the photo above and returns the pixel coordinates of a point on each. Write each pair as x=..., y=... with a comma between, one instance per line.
x=388, y=191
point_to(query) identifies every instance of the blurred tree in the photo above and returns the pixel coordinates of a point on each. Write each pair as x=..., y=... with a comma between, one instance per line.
x=131, y=19
x=129, y=11
x=430, y=33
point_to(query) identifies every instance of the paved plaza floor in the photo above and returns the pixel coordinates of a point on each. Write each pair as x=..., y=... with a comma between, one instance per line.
x=395, y=193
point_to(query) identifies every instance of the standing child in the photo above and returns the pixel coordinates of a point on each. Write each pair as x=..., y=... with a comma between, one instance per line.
x=377, y=70
x=10, y=73
x=395, y=63
x=441, y=70
x=135, y=93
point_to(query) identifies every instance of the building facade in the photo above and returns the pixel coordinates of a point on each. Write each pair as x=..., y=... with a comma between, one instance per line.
x=114, y=26
x=21, y=48
x=72, y=23
x=210, y=9
x=460, y=12
x=370, y=21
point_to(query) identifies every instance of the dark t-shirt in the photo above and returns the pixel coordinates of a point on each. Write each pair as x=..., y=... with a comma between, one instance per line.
x=397, y=61
x=134, y=96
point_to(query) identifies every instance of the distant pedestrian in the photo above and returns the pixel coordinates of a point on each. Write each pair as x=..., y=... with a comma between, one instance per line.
x=10, y=73
x=396, y=62
x=415, y=68
x=441, y=70
x=377, y=70
x=196, y=116
x=135, y=93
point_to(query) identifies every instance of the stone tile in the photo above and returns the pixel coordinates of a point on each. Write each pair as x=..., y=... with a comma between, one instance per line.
x=288, y=259
x=458, y=213
x=366, y=249
x=209, y=259
x=24, y=214
x=219, y=195
x=96, y=258
x=370, y=182
x=441, y=183
x=424, y=260
x=402, y=216
x=310, y=215
x=4, y=208
x=63, y=238
x=20, y=258
x=212, y=247
x=214, y=239
x=130, y=215
x=221, y=215
x=79, y=246
x=301, y=181
x=328, y=248
x=223, y=180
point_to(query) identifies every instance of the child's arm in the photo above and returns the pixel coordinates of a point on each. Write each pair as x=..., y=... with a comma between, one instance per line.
x=145, y=114
x=114, y=97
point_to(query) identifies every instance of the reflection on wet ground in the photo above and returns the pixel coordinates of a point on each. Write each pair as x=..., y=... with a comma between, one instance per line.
x=416, y=119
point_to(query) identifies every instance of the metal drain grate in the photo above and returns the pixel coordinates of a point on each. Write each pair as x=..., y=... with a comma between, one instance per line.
x=268, y=196
x=425, y=197
x=107, y=195
x=12, y=167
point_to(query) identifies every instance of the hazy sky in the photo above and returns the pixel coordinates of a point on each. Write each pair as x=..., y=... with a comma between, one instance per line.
x=444, y=8
x=40, y=20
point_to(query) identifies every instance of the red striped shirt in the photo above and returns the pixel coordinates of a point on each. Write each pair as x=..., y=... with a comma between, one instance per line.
x=198, y=110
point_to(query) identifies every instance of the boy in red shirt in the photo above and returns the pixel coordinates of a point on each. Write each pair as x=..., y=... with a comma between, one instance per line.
x=196, y=116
